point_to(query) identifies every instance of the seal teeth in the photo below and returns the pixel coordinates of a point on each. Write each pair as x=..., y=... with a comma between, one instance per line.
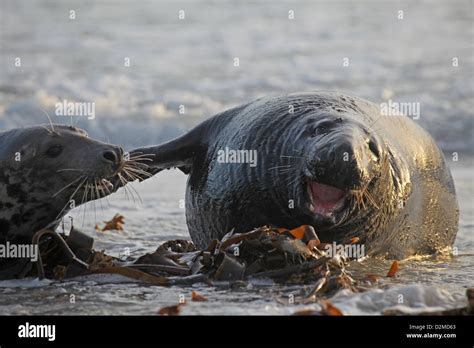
x=102, y=184
x=310, y=195
x=105, y=184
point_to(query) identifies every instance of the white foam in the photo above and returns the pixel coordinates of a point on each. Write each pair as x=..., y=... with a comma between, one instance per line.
x=415, y=298
x=25, y=283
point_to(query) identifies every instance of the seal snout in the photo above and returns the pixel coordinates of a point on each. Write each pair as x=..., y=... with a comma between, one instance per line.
x=113, y=155
x=337, y=166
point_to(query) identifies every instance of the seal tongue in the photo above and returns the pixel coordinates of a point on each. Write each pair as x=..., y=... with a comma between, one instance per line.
x=325, y=197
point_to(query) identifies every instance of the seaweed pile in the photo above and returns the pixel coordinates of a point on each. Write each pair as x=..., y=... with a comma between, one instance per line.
x=294, y=257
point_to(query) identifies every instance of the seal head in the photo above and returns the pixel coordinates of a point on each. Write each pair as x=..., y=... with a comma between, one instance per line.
x=347, y=173
x=45, y=171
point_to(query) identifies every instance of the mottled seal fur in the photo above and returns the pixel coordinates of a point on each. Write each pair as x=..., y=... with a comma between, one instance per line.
x=45, y=171
x=328, y=160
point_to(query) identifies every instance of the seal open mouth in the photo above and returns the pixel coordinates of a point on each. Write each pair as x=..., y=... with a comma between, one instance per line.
x=325, y=199
x=105, y=184
x=101, y=184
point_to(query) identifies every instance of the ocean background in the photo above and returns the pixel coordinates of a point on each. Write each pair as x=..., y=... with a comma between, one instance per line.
x=190, y=63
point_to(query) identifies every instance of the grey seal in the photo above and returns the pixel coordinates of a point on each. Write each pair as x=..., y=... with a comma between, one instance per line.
x=47, y=170
x=328, y=160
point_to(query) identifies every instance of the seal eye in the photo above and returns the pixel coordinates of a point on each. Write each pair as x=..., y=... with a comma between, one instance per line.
x=54, y=151
x=373, y=149
x=320, y=130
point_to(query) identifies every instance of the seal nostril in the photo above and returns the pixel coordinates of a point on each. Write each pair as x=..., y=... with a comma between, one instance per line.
x=110, y=156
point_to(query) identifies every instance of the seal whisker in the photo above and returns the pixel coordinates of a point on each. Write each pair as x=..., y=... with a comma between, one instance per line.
x=138, y=160
x=138, y=195
x=358, y=197
x=71, y=170
x=48, y=130
x=80, y=206
x=141, y=154
x=93, y=200
x=298, y=157
x=127, y=191
x=69, y=200
x=137, y=171
x=373, y=123
x=142, y=157
x=371, y=199
x=124, y=183
x=52, y=131
x=98, y=196
x=145, y=157
x=282, y=166
x=86, y=191
x=354, y=198
x=134, y=177
x=131, y=174
x=284, y=171
x=140, y=168
x=362, y=197
x=136, y=163
x=107, y=195
x=132, y=195
x=65, y=187
x=293, y=181
x=84, y=197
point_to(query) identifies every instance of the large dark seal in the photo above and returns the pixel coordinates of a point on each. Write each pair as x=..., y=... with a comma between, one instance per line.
x=47, y=170
x=323, y=159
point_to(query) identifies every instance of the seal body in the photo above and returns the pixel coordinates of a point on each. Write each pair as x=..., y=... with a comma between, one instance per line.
x=323, y=159
x=45, y=171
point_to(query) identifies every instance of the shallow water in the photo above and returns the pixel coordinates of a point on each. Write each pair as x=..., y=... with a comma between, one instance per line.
x=426, y=283
x=191, y=63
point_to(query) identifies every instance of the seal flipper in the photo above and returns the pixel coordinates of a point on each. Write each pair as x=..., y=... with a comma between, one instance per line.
x=178, y=153
x=182, y=151
x=175, y=153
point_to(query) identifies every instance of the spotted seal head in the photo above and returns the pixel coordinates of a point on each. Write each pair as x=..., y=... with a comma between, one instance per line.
x=47, y=170
x=328, y=160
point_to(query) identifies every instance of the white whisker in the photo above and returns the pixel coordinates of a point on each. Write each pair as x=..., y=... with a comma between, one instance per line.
x=65, y=187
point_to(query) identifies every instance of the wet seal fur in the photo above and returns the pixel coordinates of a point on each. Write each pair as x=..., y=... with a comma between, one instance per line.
x=44, y=168
x=324, y=159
